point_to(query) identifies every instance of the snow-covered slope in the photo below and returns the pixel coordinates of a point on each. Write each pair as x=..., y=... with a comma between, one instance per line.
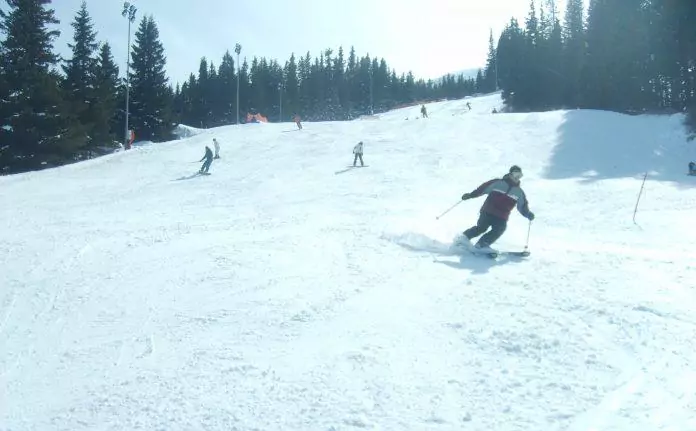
x=284, y=292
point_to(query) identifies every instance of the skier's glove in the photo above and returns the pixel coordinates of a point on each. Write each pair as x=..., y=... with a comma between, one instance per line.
x=466, y=196
x=530, y=216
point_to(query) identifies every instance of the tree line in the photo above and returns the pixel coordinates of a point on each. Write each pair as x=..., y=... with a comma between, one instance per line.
x=332, y=86
x=56, y=111
x=631, y=56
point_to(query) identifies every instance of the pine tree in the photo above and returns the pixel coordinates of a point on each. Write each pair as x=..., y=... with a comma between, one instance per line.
x=189, y=96
x=527, y=96
x=106, y=96
x=491, y=73
x=201, y=96
x=5, y=112
x=151, y=95
x=364, y=83
x=480, y=82
x=79, y=70
x=410, y=89
x=217, y=98
x=341, y=83
x=351, y=76
x=687, y=57
x=511, y=62
x=573, y=52
x=614, y=75
x=550, y=58
x=291, y=95
x=78, y=84
x=306, y=78
x=178, y=103
x=276, y=79
x=40, y=131
x=256, y=88
x=245, y=102
x=228, y=89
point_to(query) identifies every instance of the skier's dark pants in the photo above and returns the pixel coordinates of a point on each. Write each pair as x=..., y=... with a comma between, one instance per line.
x=485, y=221
x=206, y=165
x=355, y=160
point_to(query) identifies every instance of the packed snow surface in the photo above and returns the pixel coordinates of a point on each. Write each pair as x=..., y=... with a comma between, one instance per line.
x=286, y=291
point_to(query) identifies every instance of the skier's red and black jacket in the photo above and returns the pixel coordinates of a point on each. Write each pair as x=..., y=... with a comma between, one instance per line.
x=503, y=195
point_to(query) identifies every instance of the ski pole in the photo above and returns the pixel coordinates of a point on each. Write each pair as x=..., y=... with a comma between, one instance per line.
x=639, y=194
x=448, y=210
x=529, y=229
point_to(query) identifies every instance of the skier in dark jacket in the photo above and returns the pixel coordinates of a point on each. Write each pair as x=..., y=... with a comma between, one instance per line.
x=503, y=195
x=208, y=160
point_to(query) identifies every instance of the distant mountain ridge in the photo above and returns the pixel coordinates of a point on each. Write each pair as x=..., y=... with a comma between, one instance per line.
x=468, y=73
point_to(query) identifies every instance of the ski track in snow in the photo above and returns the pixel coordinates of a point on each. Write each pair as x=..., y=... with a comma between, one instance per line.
x=276, y=295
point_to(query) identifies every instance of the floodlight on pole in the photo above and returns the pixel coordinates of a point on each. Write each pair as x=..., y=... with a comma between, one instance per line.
x=129, y=11
x=280, y=105
x=238, y=50
x=372, y=106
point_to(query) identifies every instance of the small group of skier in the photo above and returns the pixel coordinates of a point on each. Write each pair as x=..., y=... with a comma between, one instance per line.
x=503, y=194
x=208, y=157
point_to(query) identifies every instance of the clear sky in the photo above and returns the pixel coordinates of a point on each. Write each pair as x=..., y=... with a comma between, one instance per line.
x=429, y=37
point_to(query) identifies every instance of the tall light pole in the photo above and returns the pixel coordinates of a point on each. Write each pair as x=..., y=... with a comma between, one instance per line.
x=372, y=106
x=280, y=105
x=238, y=49
x=129, y=13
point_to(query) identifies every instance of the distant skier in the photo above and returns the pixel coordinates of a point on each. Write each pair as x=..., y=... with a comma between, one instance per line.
x=692, y=168
x=296, y=118
x=424, y=111
x=358, y=151
x=503, y=195
x=468, y=105
x=131, y=139
x=217, y=148
x=208, y=160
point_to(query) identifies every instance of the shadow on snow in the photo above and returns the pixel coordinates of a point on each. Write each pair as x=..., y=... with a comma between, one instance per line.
x=597, y=145
x=197, y=174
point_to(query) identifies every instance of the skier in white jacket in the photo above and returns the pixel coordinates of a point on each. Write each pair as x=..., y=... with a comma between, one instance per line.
x=358, y=151
x=217, y=148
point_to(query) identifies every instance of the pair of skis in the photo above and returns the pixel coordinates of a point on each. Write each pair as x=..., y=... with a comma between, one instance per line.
x=494, y=255
x=463, y=246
